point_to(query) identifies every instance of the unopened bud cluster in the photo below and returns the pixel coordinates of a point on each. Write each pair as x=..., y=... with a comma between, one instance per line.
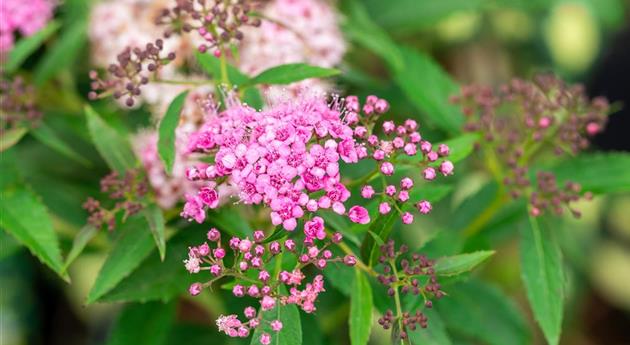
x=522, y=120
x=17, y=103
x=403, y=275
x=127, y=192
x=218, y=22
x=134, y=68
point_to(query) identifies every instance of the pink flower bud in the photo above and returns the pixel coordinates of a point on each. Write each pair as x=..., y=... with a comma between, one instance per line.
x=593, y=128
x=327, y=254
x=423, y=206
x=412, y=125
x=253, y=291
x=250, y=312
x=321, y=264
x=267, y=303
x=443, y=150
x=410, y=149
x=245, y=245
x=390, y=190
x=219, y=253
x=214, y=235
x=425, y=146
x=446, y=168
x=359, y=214
x=349, y=260
x=429, y=174
x=243, y=332
x=388, y=127
x=263, y=276
x=403, y=196
x=243, y=265
x=378, y=155
x=367, y=192
x=195, y=289
x=234, y=242
x=407, y=218
x=337, y=237
x=276, y=325
x=238, y=290
x=265, y=339
x=215, y=270
x=289, y=244
x=313, y=251
x=259, y=235
x=415, y=138
x=381, y=106
x=387, y=168
x=406, y=183
x=432, y=156
x=384, y=208
x=203, y=249
x=274, y=247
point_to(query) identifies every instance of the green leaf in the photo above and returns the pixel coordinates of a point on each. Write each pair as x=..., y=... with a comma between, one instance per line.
x=411, y=16
x=461, y=146
x=543, y=276
x=48, y=137
x=11, y=137
x=166, y=141
x=25, y=217
x=458, y=264
x=482, y=312
x=429, y=87
x=434, y=334
x=146, y=324
x=291, y=333
x=26, y=46
x=211, y=65
x=361, y=29
x=231, y=221
x=63, y=53
x=382, y=226
x=112, y=146
x=599, y=173
x=80, y=241
x=155, y=279
x=155, y=218
x=360, y=320
x=290, y=73
x=133, y=244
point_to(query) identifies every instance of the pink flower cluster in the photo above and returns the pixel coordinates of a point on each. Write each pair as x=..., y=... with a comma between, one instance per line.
x=288, y=156
x=253, y=258
x=23, y=17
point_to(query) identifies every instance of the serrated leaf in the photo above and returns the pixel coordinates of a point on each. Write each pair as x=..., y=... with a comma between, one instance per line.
x=543, y=276
x=168, y=124
x=48, y=137
x=133, y=244
x=458, y=264
x=361, y=305
x=291, y=333
x=78, y=244
x=599, y=173
x=290, y=73
x=482, y=312
x=429, y=87
x=63, y=53
x=114, y=148
x=155, y=279
x=155, y=219
x=146, y=324
x=11, y=137
x=27, y=45
x=26, y=219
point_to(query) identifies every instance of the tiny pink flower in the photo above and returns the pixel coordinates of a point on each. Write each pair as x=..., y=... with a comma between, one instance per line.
x=388, y=127
x=359, y=214
x=214, y=235
x=259, y=235
x=219, y=253
x=245, y=245
x=349, y=260
x=289, y=244
x=412, y=125
x=425, y=146
x=403, y=196
x=593, y=128
x=410, y=149
x=263, y=276
x=432, y=156
x=390, y=190
x=337, y=237
x=209, y=196
x=274, y=247
x=250, y=312
x=238, y=290
x=215, y=270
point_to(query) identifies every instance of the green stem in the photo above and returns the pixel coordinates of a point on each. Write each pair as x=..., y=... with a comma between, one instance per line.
x=346, y=249
x=397, y=300
x=484, y=217
x=225, y=79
